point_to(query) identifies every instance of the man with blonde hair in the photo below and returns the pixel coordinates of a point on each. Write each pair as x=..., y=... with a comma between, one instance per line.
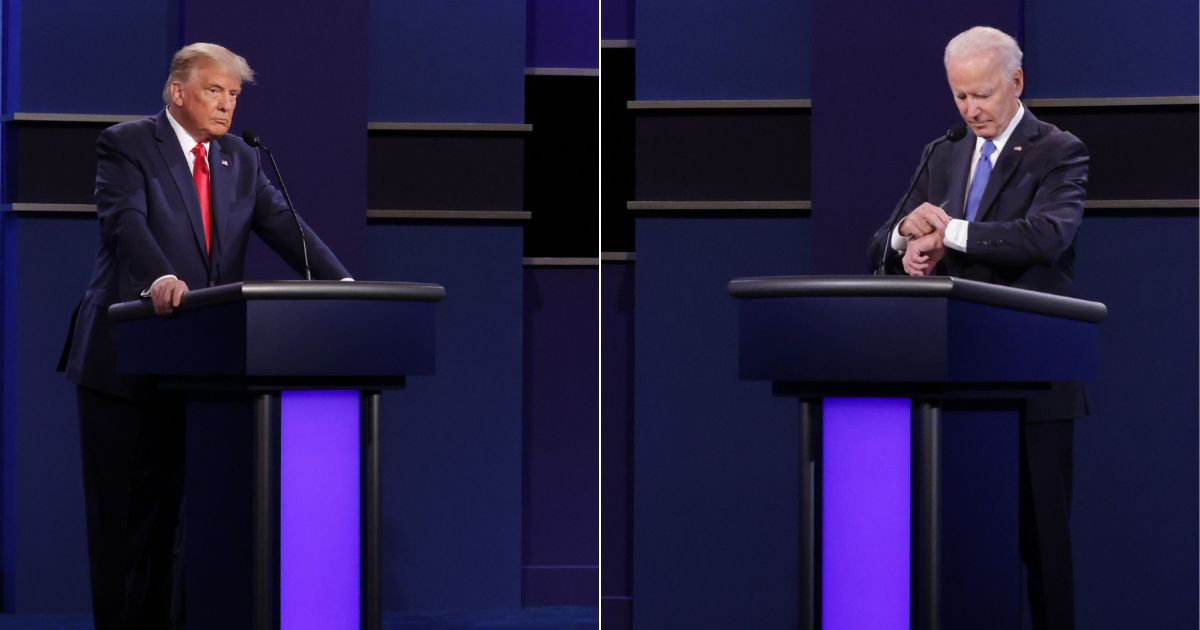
x=177, y=198
x=1003, y=206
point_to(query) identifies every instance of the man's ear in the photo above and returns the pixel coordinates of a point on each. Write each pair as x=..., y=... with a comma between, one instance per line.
x=177, y=93
x=1019, y=81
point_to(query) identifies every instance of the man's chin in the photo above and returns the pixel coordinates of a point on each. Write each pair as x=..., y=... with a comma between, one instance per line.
x=986, y=132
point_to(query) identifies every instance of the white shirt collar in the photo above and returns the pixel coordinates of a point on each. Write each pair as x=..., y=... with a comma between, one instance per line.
x=186, y=141
x=1001, y=139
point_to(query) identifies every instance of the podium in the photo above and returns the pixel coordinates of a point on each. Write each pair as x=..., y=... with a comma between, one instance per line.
x=297, y=542
x=872, y=359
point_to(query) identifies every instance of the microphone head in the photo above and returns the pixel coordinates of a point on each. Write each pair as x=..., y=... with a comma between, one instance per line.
x=954, y=134
x=253, y=140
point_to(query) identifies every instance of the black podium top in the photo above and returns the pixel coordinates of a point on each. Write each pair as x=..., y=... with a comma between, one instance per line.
x=932, y=286
x=287, y=290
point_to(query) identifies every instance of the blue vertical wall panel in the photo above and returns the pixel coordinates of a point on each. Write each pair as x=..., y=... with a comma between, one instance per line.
x=1099, y=48
x=561, y=498
x=562, y=34
x=75, y=56
x=616, y=19
x=451, y=443
x=1135, y=508
x=716, y=460
x=46, y=266
x=454, y=61
x=723, y=49
x=616, y=442
x=308, y=103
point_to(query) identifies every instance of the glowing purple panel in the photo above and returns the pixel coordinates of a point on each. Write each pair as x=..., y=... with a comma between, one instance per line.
x=318, y=511
x=865, y=513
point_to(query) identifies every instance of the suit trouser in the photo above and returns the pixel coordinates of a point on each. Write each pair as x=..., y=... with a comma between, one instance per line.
x=1045, y=522
x=133, y=470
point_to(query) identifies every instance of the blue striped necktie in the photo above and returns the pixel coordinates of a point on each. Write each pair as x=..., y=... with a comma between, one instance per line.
x=982, y=171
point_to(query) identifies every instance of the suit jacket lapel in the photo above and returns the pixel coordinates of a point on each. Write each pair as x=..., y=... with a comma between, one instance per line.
x=960, y=169
x=221, y=168
x=172, y=154
x=1006, y=164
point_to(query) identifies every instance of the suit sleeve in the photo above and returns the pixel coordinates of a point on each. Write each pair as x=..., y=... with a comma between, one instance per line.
x=273, y=222
x=121, y=209
x=1048, y=227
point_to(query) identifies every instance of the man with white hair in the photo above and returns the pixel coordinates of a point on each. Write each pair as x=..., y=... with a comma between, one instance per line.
x=1003, y=206
x=177, y=198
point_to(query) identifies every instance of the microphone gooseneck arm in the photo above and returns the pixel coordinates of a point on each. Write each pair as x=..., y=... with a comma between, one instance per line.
x=254, y=141
x=954, y=134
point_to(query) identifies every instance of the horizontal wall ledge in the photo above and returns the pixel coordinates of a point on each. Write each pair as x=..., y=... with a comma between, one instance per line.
x=563, y=72
x=49, y=208
x=560, y=262
x=452, y=215
x=644, y=206
x=79, y=118
x=1132, y=101
x=618, y=43
x=792, y=103
x=453, y=127
x=617, y=256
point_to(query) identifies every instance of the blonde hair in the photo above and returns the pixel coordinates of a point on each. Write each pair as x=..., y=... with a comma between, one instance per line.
x=194, y=55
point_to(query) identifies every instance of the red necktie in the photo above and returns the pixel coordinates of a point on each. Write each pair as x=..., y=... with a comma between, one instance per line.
x=200, y=176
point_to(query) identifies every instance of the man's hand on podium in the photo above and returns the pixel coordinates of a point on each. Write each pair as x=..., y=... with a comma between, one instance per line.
x=166, y=294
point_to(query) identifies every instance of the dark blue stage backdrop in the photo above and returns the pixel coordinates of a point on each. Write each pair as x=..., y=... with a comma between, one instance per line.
x=561, y=34
x=309, y=105
x=616, y=19
x=447, y=61
x=560, y=566
x=718, y=49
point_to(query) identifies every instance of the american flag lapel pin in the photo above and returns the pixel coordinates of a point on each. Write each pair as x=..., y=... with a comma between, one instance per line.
x=226, y=162
x=1014, y=149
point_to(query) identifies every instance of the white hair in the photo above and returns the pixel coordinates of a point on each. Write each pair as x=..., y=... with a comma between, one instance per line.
x=985, y=39
x=194, y=55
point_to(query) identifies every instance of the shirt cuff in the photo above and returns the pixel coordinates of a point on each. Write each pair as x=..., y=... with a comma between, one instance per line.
x=899, y=243
x=146, y=293
x=347, y=279
x=956, y=235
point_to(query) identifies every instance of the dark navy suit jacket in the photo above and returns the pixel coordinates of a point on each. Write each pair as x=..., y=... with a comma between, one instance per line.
x=1024, y=232
x=150, y=226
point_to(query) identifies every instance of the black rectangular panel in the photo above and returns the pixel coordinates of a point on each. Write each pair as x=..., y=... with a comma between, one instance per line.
x=562, y=172
x=51, y=162
x=452, y=170
x=1137, y=152
x=722, y=155
x=616, y=149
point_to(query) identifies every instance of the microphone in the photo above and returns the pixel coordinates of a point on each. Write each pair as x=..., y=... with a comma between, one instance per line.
x=953, y=134
x=253, y=140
